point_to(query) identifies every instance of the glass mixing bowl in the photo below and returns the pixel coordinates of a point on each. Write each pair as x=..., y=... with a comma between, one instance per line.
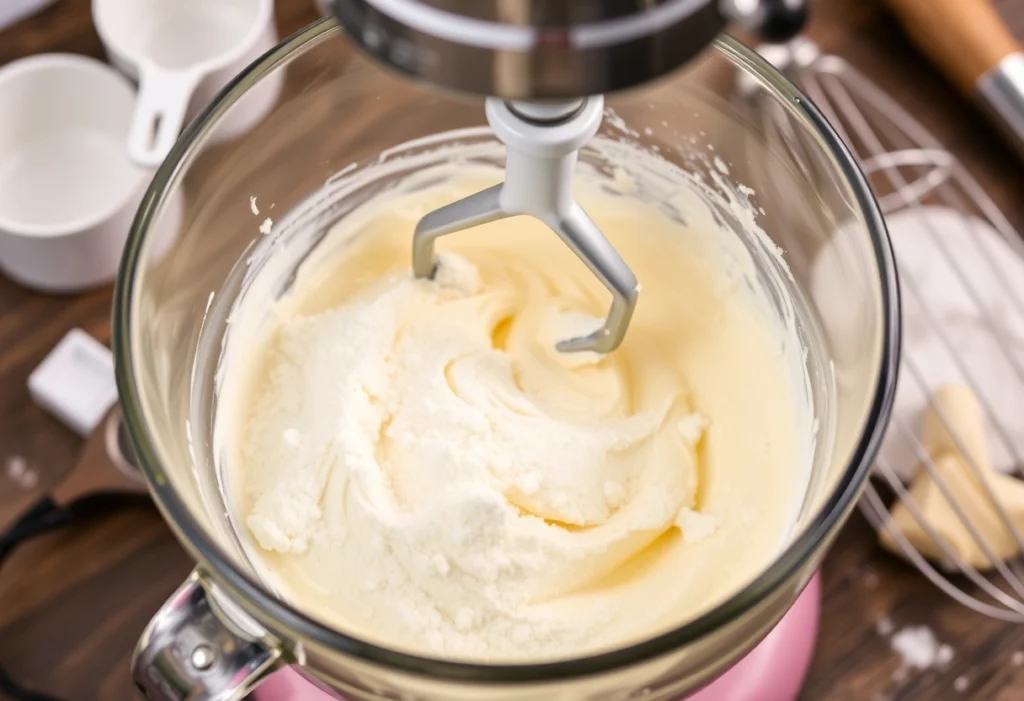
x=337, y=112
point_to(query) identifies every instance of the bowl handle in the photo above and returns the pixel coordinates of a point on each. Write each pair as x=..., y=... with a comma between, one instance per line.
x=193, y=650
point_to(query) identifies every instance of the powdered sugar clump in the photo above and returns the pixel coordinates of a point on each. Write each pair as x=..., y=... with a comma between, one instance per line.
x=919, y=649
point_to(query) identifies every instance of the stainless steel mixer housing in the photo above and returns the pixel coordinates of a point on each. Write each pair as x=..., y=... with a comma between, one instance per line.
x=551, y=49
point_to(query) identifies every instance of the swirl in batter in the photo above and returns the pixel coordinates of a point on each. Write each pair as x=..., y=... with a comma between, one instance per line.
x=419, y=465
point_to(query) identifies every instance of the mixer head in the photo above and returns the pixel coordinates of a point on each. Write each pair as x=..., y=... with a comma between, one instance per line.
x=542, y=66
x=551, y=49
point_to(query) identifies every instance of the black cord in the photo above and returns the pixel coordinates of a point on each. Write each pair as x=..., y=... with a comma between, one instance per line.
x=42, y=517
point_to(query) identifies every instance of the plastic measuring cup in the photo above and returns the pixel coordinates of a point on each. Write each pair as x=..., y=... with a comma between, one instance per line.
x=68, y=190
x=181, y=53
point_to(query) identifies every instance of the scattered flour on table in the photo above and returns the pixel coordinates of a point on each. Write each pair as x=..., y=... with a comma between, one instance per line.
x=919, y=649
x=18, y=471
x=885, y=626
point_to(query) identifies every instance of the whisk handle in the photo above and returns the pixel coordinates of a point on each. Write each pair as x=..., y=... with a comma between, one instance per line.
x=965, y=38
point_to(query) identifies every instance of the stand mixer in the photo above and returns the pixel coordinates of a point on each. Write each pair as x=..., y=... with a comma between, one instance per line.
x=542, y=68
x=549, y=65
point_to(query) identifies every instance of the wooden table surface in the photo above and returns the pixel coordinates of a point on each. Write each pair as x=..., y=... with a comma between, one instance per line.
x=73, y=604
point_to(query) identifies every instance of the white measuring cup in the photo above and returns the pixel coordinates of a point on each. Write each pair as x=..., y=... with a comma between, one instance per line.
x=68, y=190
x=181, y=52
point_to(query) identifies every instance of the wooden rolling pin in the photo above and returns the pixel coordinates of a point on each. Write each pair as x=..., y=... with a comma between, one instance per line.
x=969, y=42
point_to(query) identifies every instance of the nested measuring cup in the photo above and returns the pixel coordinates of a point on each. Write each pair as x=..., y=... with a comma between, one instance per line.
x=225, y=630
x=181, y=53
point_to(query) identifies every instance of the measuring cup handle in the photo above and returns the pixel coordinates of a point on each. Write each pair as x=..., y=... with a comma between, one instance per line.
x=190, y=651
x=159, y=113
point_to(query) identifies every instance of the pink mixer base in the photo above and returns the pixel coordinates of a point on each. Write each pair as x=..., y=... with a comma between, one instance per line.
x=773, y=671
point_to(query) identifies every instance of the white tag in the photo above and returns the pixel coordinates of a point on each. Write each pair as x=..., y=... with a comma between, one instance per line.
x=75, y=382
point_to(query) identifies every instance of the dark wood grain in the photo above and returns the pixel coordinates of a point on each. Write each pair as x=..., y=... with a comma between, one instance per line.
x=72, y=604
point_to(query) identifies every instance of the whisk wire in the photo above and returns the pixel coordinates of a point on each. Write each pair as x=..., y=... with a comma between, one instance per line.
x=951, y=557
x=878, y=516
x=910, y=171
x=869, y=138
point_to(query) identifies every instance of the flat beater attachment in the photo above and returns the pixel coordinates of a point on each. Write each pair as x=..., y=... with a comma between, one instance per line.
x=542, y=140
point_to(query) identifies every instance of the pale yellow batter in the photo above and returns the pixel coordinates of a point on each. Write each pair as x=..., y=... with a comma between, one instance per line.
x=416, y=463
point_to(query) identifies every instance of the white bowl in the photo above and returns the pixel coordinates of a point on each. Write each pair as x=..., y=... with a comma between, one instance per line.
x=68, y=190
